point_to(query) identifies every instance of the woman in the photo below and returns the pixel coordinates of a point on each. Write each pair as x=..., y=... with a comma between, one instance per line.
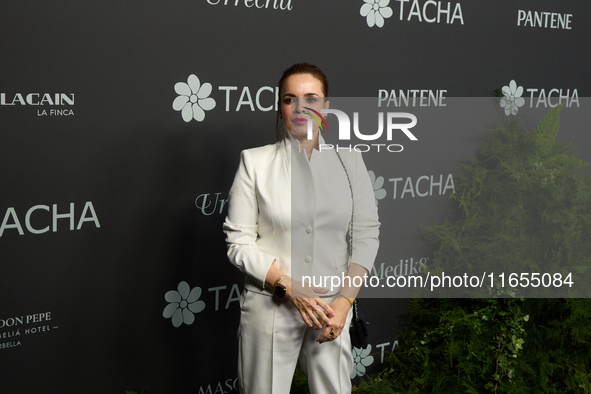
x=289, y=212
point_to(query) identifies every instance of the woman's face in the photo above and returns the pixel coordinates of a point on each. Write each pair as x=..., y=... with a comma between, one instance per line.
x=300, y=91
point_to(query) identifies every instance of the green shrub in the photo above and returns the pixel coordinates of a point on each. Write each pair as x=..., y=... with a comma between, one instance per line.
x=523, y=205
x=491, y=345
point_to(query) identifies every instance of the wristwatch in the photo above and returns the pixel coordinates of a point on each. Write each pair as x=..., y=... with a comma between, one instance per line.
x=280, y=288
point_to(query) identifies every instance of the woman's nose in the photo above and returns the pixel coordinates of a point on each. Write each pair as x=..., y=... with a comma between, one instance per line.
x=299, y=104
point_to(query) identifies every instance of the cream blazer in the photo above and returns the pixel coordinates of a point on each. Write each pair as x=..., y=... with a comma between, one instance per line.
x=286, y=210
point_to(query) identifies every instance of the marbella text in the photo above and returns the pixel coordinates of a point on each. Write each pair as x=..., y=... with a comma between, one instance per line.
x=433, y=282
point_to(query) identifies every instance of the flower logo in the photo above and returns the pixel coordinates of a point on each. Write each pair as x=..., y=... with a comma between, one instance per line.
x=183, y=303
x=377, y=186
x=375, y=11
x=512, y=100
x=361, y=359
x=193, y=99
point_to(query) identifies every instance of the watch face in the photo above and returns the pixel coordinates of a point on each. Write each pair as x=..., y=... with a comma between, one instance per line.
x=280, y=291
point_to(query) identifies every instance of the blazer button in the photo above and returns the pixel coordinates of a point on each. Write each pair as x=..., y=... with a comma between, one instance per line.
x=308, y=259
x=309, y=230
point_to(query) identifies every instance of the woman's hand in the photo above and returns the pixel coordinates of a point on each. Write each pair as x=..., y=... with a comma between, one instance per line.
x=341, y=307
x=314, y=311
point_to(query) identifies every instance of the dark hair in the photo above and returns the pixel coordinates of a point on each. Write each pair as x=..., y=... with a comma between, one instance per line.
x=300, y=68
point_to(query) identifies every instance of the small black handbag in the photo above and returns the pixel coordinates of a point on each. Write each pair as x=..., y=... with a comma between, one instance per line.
x=358, y=330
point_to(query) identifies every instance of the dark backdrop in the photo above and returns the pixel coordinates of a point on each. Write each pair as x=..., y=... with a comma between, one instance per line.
x=110, y=199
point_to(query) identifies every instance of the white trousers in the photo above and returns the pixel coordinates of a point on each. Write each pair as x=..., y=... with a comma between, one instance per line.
x=272, y=337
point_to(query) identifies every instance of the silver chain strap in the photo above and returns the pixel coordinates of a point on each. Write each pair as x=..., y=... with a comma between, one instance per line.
x=355, y=312
x=352, y=207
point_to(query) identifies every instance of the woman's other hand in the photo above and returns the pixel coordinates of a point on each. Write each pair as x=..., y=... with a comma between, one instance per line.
x=315, y=311
x=341, y=308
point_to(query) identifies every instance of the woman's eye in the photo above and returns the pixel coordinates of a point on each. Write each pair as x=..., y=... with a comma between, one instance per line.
x=311, y=99
x=289, y=100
